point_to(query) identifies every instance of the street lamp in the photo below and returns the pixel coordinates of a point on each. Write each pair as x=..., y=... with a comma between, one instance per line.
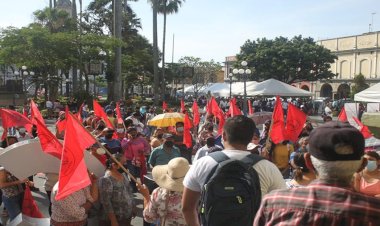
x=243, y=72
x=23, y=72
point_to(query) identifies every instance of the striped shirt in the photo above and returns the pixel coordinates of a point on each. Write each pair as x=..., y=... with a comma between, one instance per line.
x=320, y=203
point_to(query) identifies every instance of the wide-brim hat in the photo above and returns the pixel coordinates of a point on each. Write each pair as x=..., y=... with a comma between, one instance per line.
x=171, y=176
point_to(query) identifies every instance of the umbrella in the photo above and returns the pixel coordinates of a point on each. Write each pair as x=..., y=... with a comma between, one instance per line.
x=166, y=119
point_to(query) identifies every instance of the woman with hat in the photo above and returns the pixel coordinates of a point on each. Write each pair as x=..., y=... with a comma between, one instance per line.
x=164, y=204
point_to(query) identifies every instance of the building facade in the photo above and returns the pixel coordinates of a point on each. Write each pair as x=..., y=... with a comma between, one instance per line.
x=356, y=55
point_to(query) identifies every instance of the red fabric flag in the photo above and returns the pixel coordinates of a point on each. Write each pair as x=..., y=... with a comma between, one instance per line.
x=49, y=143
x=234, y=109
x=164, y=105
x=278, y=126
x=196, y=116
x=250, y=108
x=29, y=206
x=79, y=113
x=35, y=113
x=342, y=115
x=118, y=114
x=73, y=174
x=12, y=118
x=186, y=132
x=363, y=129
x=60, y=125
x=295, y=121
x=98, y=111
x=217, y=112
x=182, y=106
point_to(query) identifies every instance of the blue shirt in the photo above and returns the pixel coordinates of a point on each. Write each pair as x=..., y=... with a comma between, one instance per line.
x=161, y=157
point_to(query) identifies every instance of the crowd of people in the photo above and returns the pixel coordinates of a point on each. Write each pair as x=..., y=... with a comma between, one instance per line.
x=325, y=178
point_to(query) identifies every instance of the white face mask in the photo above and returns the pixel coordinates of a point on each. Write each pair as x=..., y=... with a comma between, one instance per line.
x=100, y=151
x=120, y=130
x=22, y=130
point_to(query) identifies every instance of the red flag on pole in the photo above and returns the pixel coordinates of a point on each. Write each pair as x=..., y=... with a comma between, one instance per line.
x=49, y=143
x=118, y=114
x=182, y=106
x=196, y=116
x=363, y=129
x=250, y=109
x=29, y=206
x=295, y=121
x=12, y=118
x=343, y=115
x=234, y=109
x=278, y=126
x=186, y=132
x=73, y=174
x=35, y=113
x=98, y=111
x=209, y=106
x=164, y=106
x=217, y=112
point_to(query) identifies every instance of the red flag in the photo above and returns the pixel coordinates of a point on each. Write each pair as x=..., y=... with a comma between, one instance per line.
x=196, y=116
x=250, y=109
x=234, y=109
x=49, y=143
x=118, y=114
x=29, y=206
x=73, y=174
x=12, y=118
x=278, y=126
x=186, y=132
x=60, y=125
x=79, y=113
x=164, y=105
x=182, y=106
x=98, y=110
x=35, y=113
x=217, y=112
x=342, y=115
x=295, y=121
x=363, y=129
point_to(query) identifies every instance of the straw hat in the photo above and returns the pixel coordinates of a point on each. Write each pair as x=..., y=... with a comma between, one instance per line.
x=171, y=176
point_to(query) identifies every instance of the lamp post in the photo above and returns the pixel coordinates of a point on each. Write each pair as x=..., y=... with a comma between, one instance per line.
x=23, y=72
x=243, y=72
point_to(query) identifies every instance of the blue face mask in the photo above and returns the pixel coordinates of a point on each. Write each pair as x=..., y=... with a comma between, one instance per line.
x=371, y=165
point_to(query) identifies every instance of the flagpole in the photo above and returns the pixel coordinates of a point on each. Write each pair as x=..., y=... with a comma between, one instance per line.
x=109, y=154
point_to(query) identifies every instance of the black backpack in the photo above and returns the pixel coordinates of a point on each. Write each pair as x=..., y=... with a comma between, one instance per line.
x=231, y=194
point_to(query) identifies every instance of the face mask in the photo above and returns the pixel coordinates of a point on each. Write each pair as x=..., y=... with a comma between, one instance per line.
x=100, y=151
x=108, y=136
x=371, y=165
x=169, y=144
x=159, y=136
x=21, y=130
x=121, y=130
x=180, y=129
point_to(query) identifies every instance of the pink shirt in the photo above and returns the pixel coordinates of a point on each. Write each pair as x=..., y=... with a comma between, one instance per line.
x=134, y=148
x=371, y=189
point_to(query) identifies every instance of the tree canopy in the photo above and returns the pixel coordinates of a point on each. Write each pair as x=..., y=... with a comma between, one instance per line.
x=297, y=59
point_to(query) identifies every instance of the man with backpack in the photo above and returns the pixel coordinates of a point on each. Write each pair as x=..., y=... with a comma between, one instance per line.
x=225, y=187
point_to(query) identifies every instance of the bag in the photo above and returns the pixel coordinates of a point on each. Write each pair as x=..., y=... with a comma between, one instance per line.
x=231, y=194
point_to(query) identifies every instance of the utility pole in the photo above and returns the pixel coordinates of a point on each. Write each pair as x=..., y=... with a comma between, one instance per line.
x=117, y=9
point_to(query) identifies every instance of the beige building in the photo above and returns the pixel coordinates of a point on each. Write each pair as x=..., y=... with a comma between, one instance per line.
x=357, y=54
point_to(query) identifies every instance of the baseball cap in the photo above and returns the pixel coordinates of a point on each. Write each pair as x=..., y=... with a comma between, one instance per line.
x=336, y=141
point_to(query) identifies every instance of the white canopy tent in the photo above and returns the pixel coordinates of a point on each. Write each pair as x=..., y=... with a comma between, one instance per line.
x=273, y=87
x=372, y=94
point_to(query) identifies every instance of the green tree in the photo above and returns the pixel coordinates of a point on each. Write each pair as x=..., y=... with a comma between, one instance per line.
x=199, y=73
x=297, y=59
x=359, y=84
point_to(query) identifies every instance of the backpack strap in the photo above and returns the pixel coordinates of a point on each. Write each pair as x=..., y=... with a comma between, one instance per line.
x=252, y=159
x=218, y=157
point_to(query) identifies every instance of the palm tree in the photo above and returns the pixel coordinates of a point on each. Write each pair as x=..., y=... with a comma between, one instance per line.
x=155, y=52
x=166, y=7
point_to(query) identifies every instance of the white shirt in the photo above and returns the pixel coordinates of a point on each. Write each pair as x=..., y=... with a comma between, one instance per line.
x=49, y=104
x=269, y=175
x=203, y=151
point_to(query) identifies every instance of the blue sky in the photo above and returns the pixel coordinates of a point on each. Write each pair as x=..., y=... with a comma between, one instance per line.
x=214, y=29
